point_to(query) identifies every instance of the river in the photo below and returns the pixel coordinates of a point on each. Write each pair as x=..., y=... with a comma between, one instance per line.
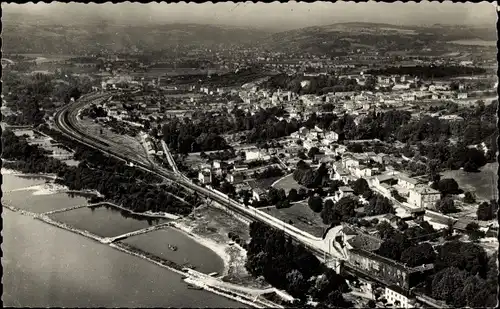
x=45, y=266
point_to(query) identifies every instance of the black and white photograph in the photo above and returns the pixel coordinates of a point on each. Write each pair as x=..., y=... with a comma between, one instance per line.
x=249, y=155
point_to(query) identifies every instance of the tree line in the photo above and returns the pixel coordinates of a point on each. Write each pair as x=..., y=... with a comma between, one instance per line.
x=132, y=188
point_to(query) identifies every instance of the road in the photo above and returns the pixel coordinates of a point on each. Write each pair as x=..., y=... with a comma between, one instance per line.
x=67, y=122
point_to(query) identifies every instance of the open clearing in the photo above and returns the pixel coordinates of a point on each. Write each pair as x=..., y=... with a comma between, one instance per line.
x=302, y=217
x=484, y=183
x=287, y=183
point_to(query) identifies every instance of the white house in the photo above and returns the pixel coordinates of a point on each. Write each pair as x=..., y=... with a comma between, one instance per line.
x=343, y=192
x=398, y=297
x=406, y=182
x=423, y=196
x=253, y=154
x=205, y=176
x=362, y=171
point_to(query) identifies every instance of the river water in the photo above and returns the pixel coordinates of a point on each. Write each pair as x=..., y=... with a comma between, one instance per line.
x=47, y=266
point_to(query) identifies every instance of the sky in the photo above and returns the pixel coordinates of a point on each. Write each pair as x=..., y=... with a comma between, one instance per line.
x=273, y=16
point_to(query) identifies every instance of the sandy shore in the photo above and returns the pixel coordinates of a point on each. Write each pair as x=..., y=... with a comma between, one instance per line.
x=218, y=248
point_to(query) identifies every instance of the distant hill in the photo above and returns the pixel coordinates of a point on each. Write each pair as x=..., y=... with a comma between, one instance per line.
x=373, y=36
x=29, y=33
x=43, y=36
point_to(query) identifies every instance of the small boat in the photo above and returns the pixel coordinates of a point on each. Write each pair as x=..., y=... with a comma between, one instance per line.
x=213, y=274
x=194, y=287
x=173, y=248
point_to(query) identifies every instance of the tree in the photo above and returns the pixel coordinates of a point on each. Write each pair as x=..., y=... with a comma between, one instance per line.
x=293, y=196
x=418, y=255
x=297, y=285
x=228, y=188
x=313, y=152
x=336, y=300
x=463, y=255
x=326, y=283
x=473, y=231
x=385, y=230
x=487, y=211
x=315, y=203
x=448, y=284
x=360, y=186
x=328, y=214
x=345, y=207
x=448, y=186
x=433, y=170
x=446, y=206
x=379, y=205
x=393, y=247
x=469, y=198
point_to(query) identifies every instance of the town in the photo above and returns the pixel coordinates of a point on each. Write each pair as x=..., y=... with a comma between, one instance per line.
x=359, y=177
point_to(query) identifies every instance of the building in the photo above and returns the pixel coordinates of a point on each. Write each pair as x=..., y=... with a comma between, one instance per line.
x=438, y=220
x=388, y=271
x=205, y=176
x=343, y=192
x=399, y=297
x=362, y=171
x=461, y=225
x=331, y=137
x=235, y=178
x=406, y=182
x=423, y=196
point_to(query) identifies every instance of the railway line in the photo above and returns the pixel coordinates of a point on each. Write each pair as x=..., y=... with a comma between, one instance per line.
x=65, y=121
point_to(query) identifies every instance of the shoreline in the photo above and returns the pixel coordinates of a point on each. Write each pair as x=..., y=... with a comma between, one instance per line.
x=172, y=266
x=138, y=253
x=218, y=248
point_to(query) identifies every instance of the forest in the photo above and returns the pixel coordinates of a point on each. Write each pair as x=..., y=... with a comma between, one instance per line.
x=203, y=131
x=29, y=97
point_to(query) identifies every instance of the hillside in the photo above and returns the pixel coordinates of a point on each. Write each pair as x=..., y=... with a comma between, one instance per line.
x=336, y=37
x=41, y=36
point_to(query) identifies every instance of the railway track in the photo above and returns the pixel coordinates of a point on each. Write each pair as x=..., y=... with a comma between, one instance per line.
x=65, y=119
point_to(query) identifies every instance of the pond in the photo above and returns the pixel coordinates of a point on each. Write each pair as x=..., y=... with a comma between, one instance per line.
x=105, y=221
x=157, y=243
x=28, y=200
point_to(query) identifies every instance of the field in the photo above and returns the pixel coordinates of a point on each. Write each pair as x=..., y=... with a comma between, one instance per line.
x=266, y=182
x=484, y=183
x=288, y=183
x=302, y=217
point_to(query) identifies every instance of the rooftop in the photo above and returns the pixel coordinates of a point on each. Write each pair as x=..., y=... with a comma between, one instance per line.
x=407, y=179
x=425, y=190
x=346, y=189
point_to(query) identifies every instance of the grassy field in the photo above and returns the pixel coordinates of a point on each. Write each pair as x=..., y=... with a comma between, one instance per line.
x=266, y=182
x=288, y=183
x=302, y=217
x=484, y=183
